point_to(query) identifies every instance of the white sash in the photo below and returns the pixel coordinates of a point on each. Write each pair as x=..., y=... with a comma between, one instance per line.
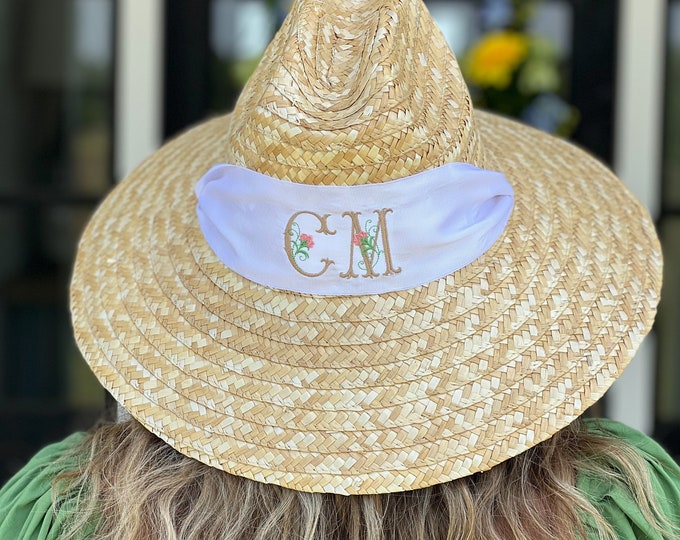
x=352, y=240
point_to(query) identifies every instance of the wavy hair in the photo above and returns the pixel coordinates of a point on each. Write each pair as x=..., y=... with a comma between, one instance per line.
x=130, y=485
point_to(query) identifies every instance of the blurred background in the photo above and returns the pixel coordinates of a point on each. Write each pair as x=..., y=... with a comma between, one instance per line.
x=88, y=88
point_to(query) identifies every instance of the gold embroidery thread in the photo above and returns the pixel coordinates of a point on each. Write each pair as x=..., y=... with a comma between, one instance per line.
x=372, y=241
x=297, y=244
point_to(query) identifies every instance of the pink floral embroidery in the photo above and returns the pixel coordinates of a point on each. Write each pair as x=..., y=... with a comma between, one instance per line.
x=367, y=241
x=300, y=243
x=358, y=237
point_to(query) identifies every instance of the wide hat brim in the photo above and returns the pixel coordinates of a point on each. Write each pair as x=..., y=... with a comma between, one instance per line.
x=379, y=393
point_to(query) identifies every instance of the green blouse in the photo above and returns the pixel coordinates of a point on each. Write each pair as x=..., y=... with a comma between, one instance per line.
x=26, y=511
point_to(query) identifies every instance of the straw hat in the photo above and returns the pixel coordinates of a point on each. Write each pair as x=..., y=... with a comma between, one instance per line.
x=363, y=393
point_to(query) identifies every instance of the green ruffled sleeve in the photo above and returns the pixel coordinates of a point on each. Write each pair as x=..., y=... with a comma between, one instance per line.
x=615, y=503
x=26, y=511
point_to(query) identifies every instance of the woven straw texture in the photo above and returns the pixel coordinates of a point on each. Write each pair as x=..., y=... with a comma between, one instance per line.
x=379, y=393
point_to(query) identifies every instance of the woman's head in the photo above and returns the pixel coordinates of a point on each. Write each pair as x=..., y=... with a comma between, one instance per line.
x=381, y=289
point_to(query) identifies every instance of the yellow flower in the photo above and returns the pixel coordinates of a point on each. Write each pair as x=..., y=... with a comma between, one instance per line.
x=492, y=60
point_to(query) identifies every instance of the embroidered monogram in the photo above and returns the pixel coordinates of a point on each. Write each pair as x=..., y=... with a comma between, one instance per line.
x=352, y=240
x=371, y=241
x=366, y=240
x=298, y=244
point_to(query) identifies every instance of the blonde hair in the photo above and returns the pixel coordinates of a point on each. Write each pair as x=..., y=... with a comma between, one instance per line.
x=130, y=485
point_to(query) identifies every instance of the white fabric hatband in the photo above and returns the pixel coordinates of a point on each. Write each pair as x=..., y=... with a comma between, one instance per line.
x=352, y=240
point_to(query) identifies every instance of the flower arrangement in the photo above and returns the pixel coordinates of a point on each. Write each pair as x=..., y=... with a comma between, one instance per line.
x=515, y=72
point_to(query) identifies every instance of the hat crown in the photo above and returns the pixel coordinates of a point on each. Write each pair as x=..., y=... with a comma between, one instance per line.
x=333, y=66
x=352, y=92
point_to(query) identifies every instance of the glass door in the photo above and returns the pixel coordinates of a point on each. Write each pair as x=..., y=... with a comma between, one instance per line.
x=668, y=369
x=56, y=109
